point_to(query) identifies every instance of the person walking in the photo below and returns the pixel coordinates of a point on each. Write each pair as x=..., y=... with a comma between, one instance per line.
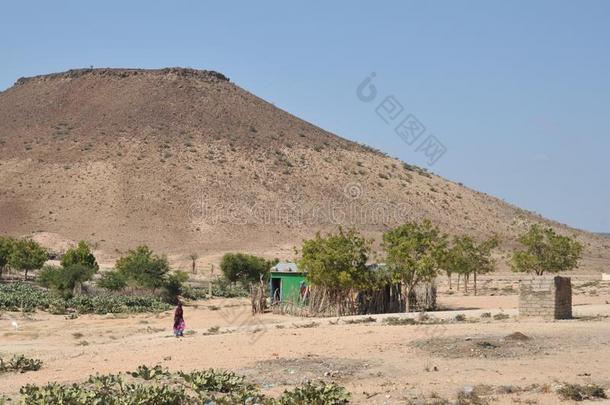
x=179, y=324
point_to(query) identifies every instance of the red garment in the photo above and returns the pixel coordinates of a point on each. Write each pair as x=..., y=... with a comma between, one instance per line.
x=178, y=317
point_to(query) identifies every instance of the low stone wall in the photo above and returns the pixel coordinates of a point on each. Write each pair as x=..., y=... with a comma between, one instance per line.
x=547, y=297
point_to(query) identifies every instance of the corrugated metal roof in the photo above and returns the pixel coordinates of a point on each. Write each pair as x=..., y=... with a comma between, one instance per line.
x=285, y=267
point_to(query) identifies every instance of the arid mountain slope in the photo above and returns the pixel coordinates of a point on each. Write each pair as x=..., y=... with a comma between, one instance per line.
x=186, y=161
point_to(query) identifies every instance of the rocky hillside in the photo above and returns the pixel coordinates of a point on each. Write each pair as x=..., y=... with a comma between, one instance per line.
x=186, y=161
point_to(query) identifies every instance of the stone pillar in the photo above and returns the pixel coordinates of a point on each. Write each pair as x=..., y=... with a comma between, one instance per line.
x=548, y=297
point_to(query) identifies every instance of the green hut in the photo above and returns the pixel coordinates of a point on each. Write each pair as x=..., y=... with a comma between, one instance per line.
x=286, y=283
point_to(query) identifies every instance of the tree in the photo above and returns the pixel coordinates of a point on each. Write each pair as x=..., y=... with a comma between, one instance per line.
x=174, y=285
x=466, y=257
x=414, y=254
x=336, y=268
x=337, y=261
x=6, y=247
x=143, y=267
x=244, y=268
x=65, y=279
x=27, y=255
x=546, y=252
x=81, y=255
x=112, y=280
x=193, y=257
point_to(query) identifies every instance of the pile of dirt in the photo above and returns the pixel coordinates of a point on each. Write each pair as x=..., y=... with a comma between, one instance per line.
x=515, y=345
x=288, y=371
x=516, y=336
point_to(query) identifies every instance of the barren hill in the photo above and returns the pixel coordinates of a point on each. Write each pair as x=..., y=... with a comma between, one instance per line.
x=186, y=161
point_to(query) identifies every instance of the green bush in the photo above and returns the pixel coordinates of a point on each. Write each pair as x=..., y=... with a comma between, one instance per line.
x=243, y=268
x=222, y=288
x=26, y=255
x=19, y=363
x=155, y=386
x=80, y=255
x=25, y=297
x=105, y=304
x=64, y=279
x=215, y=381
x=112, y=281
x=144, y=268
x=6, y=247
x=174, y=285
x=315, y=393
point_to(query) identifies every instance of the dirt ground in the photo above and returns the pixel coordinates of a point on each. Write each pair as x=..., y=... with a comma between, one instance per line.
x=508, y=360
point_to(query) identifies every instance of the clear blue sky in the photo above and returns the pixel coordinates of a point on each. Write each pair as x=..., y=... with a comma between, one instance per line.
x=518, y=92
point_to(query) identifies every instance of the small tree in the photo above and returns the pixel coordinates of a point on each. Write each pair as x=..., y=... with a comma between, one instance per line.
x=6, y=247
x=336, y=269
x=65, y=279
x=112, y=280
x=415, y=253
x=244, y=268
x=27, y=255
x=546, y=252
x=143, y=267
x=337, y=261
x=466, y=257
x=193, y=257
x=81, y=255
x=174, y=285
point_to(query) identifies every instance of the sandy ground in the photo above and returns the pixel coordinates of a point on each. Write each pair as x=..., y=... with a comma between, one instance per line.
x=378, y=363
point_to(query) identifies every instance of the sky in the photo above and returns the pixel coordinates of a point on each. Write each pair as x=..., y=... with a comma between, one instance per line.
x=517, y=93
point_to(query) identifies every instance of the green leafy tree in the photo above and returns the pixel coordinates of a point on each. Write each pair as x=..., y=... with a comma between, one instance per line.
x=81, y=254
x=174, y=285
x=6, y=247
x=465, y=257
x=144, y=268
x=65, y=279
x=336, y=261
x=414, y=253
x=112, y=280
x=27, y=255
x=546, y=252
x=244, y=268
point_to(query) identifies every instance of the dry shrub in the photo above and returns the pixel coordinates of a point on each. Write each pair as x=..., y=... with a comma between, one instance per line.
x=577, y=392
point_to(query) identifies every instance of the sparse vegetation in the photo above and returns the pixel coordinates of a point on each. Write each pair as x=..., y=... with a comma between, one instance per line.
x=307, y=325
x=27, y=298
x=19, y=364
x=397, y=321
x=577, y=392
x=357, y=321
x=157, y=386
